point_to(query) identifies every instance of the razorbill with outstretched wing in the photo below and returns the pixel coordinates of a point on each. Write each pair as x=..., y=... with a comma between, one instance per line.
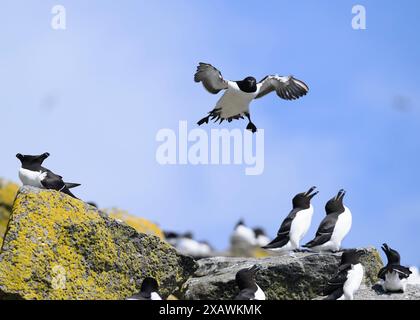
x=242, y=236
x=33, y=174
x=245, y=280
x=149, y=290
x=334, y=227
x=234, y=104
x=348, y=278
x=296, y=224
x=393, y=276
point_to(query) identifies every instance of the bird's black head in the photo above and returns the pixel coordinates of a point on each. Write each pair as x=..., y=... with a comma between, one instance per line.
x=188, y=235
x=149, y=285
x=259, y=232
x=170, y=235
x=249, y=85
x=336, y=204
x=392, y=255
x=352, y=256
x=245, y=278
x=303, y=200
x=240, y=223
x=32, y=161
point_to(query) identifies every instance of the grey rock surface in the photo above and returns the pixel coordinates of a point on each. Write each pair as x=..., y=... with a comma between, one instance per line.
x=301, y=276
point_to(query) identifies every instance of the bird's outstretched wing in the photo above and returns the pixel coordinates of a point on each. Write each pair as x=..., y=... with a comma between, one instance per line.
x=288, y=87
x=324, y=231
x=210, y=77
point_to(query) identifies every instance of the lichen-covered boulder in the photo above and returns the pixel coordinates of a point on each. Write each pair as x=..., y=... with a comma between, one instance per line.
x=57, y=247
x=282, y=277
x=8, y=192
x=140, y=224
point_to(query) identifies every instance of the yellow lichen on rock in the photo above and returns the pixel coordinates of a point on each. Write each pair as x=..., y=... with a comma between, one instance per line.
x=57, y=247
x=8, y=191
x=140, y=224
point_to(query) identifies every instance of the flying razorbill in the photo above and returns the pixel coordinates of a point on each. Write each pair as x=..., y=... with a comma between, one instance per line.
x=249, y=290
x=347, y=280
x=393, y=276
x=296, y=224
x=234, y=103
x=33, y=174
x=334, y=227
x=149, y=290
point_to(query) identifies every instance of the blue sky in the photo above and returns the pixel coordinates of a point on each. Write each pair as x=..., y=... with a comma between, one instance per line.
x=96, y=94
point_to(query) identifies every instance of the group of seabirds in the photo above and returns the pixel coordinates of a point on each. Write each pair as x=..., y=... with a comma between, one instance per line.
x=233, y=105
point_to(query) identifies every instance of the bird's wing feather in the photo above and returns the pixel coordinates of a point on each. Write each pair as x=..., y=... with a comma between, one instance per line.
x=210, y=77
x=287, y=223
x=288, y=88
x=325, y=230
x=337, y=281
x=53, y=181
x=403, y=272
x=283, y=233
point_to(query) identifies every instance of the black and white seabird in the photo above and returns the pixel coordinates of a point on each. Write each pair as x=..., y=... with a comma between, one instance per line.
x=149, y=290
x=33, y=174
x=234, y=104
x=261, y=238
x=393, y=276
x=348, y=278
x=296, y=224
x=334, y=227
x=245, y=280
x=186, y=244
x=242, y=236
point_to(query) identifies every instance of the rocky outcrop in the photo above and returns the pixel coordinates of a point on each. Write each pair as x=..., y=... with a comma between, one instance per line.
x=282, y=277
x=57, y=247
x=8, y=192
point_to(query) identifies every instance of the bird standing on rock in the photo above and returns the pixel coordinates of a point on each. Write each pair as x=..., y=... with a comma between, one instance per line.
x=242, y=236
x=245, y=280
x=334, y=227
x=296, y=224
x=33, y=174
x=393, y=276
x=234, y=104
x=348, y=278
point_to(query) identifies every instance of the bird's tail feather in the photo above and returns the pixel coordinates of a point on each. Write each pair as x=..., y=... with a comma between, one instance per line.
x=70, y=185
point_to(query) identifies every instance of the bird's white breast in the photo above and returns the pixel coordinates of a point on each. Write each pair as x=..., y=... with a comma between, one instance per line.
x=31, y=178
x=342, y=226
x=262, y=240
x=393, y=282
x=300, y=225
x=189, y=246
x=155, y=296
x=354, y=280
x=259, y=294
x=234, y=101
x=244, y=235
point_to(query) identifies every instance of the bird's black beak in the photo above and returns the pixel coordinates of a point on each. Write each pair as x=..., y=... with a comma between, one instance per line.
x=255, y=268
x=308, y=193
x=340, y=194
x=19, y=156
x=45, y=155
x=385, y=248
